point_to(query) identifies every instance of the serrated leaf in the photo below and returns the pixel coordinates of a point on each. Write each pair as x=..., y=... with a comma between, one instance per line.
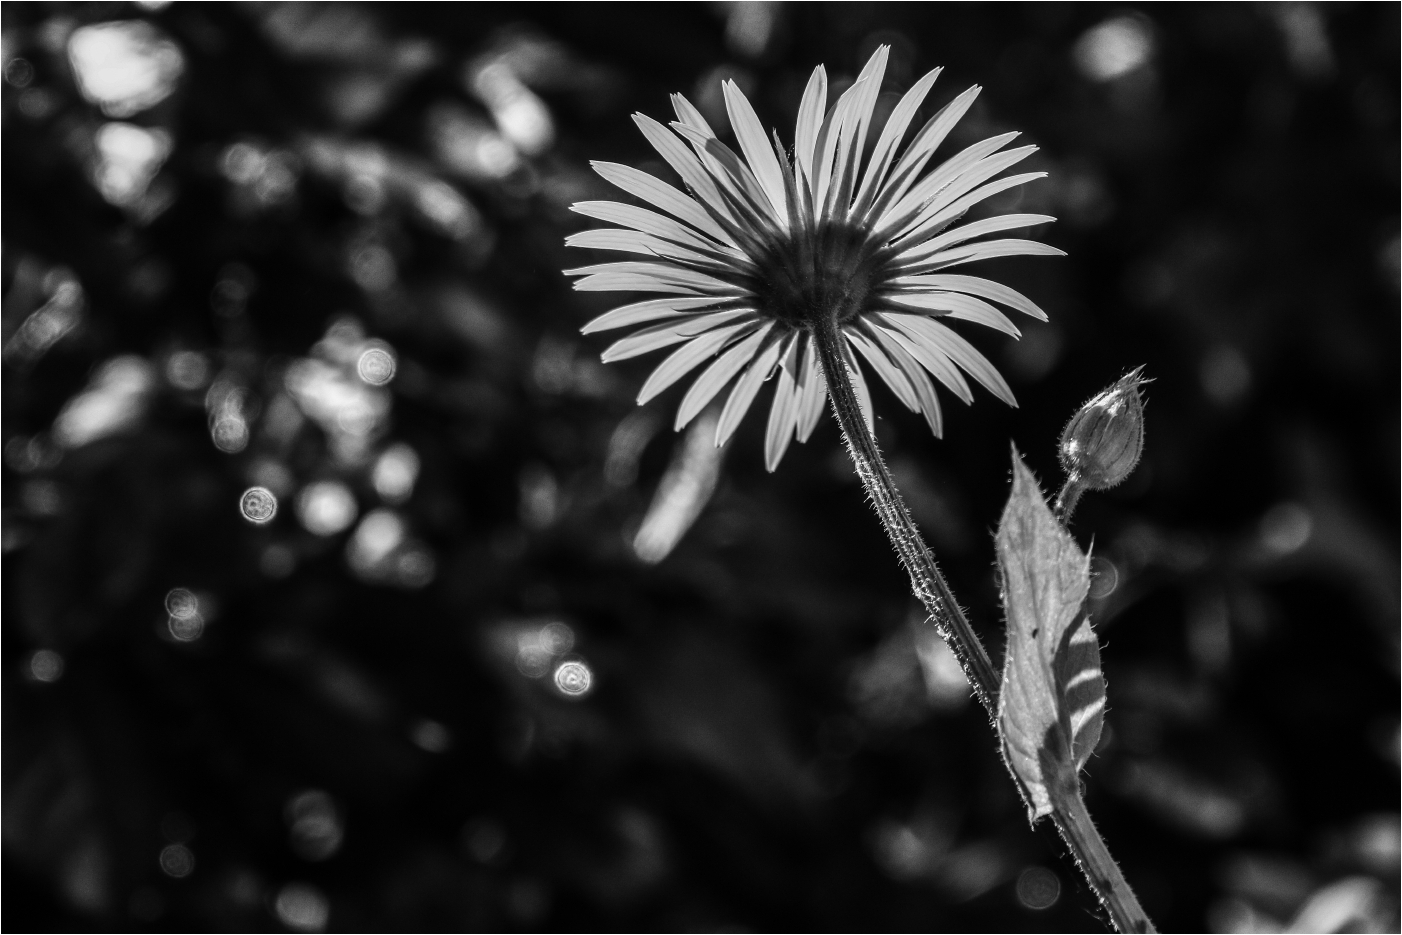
x=1051, y=708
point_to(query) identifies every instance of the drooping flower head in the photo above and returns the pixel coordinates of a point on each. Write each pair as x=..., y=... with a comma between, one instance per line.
x=765, y=247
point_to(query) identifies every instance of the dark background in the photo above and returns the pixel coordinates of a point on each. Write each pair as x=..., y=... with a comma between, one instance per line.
x=348, y=733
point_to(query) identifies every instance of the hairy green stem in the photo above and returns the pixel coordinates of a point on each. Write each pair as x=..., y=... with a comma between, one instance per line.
x=925, y=578
x=1072, y=821
x=1093, y=857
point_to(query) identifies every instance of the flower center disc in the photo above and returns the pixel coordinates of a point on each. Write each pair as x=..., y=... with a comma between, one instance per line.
x=805, y=276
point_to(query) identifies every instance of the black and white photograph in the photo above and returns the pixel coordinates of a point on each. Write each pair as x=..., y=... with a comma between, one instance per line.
x=701, y=467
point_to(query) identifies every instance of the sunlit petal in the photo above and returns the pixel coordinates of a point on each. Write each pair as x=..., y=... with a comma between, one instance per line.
x=660, y=195
x=901, y=214
x=922, y=148
x=782, y=414
x=718, y=375
x=963, y=232
x=810, y=119
x=954, y=305
x=973, y=285
x=744, y=393
x=902, y=330
x=683, y=160
x=891, y=135
x=833, y=128
x=937, y=336
x=932, y=216
x=630, y=241
x=686, y=358
x=641, y=312
x=885, y=369
x=749, y=132
x=955, y=210
x=661, y=273
x=985, y=250
x=669, y=333
x=736, y=179
x=813, y=392
x=918, y=378
x=649, y=222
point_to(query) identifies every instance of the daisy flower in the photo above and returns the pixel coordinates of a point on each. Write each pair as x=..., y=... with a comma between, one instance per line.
x=778, y=266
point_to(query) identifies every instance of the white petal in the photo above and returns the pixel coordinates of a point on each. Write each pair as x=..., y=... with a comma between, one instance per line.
x=686, y=358
x=958, y=306
x=749, y=132
x=612, y=239
x=900, y=214
x=973, y=285
x=832, y=132
x=896, y=125
x=718, y=158
x=919, y=380
x=651, y=310
x=667, y=333
x=984, y=250
x=684, y=161
x=852, y=139
x=744, y=393
x=873, y=73
x=822, y=152
x=958, y=207
x=689, y=115
x=810, y=119
x=662, y=273
x=630, y=282
x=885, y=369
x=734, y=175
x=939, y=210
x=644, y=342
x=813, y=390
x=631, y=241
x=964, y=354
x=714, y=377
x=902, y=329
x=659, y=194
x=649, y=222
x=921, y=148
x=782, y=414
x=963, y=232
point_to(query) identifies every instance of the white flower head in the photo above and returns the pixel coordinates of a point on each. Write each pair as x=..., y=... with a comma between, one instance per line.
x=764, y=248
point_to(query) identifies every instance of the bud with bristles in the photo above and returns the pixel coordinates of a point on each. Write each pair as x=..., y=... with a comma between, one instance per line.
x=1101, y=444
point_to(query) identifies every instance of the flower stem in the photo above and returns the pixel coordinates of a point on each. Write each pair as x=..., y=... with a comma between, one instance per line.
x=925, y=578
x=1071, y=819
x=1093, y=857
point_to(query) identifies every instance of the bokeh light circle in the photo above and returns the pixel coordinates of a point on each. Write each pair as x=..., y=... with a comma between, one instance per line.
x=182, y=603
x=258, y=505
x=376, y=366
x=1038, y=888
x=573, y=678
x=177, y=861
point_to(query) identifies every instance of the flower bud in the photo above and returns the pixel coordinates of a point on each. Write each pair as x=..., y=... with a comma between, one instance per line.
x=1101, y=444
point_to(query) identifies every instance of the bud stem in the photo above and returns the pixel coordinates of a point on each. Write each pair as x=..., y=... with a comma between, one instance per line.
x=1072, y=820
x=1067, y=499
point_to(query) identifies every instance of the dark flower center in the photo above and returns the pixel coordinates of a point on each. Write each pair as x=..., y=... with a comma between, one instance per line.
x=804, y=277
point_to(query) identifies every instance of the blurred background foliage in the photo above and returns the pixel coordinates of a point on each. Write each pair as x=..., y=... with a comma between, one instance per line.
x=511, y=654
